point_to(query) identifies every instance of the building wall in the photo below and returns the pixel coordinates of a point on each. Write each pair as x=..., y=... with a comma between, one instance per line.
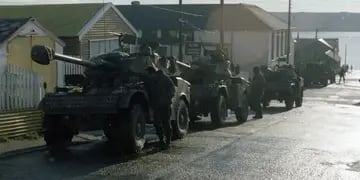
x=3, y=58
x=247, y=48
x=18, y=53
x=110, y=22
x=60, y=67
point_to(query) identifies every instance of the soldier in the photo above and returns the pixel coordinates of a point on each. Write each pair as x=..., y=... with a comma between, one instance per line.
x=162, y=91
x=342, y=74
x=257, y=91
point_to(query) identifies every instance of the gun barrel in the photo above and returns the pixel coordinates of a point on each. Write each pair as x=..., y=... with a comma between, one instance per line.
x=73, y=60
x=43, y=55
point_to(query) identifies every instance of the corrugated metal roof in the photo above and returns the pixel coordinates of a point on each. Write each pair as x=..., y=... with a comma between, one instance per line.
x=237, y=16
x=270, y=20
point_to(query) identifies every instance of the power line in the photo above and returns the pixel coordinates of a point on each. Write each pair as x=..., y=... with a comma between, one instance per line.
x=174, y=11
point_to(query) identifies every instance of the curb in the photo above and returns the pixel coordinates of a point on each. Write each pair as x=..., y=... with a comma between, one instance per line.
x=34, y=149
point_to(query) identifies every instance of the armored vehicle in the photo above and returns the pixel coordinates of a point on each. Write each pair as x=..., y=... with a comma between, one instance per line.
x=317, y=74
x=283, y=84
x=214, y=91
x=113, y=92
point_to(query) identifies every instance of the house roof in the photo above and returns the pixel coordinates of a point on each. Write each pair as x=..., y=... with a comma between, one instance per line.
x=310, y=21
x=61, y=19
x=203, y=16
x=9, y=26
x=305, y=43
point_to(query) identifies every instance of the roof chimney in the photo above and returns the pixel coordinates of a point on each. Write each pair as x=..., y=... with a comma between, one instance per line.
x=135, y=3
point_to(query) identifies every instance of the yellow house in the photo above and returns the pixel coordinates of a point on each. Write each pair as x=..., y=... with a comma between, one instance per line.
x=17, y=36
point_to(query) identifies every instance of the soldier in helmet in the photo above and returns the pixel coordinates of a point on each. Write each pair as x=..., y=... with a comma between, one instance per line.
x=257, y=91
x=161, y=90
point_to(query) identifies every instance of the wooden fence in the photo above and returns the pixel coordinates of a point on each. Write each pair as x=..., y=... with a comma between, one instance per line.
x=20, y=89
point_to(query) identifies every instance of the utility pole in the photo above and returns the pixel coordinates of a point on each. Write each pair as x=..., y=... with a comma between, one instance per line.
x=222, y=25
x=317, y=34
x=289, y=34
x=181, y=37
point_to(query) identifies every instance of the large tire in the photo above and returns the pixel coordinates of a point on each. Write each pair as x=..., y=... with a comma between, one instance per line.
x=325, y=82
x=242, y=113
x=266, y=104
x=219, y=111
x=57, y=135
x=299, y=100
x=134, y=139
x=127, y=129
x=181, y=124
x=289, y=103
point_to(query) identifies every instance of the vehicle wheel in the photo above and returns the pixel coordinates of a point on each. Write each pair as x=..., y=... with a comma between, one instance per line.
x=134, y=137
x=289, y=103
x=325, y=83
x=56, y=134
x=299, y=100
x=219, y=111
x=242, y=113
x=266, y=104
x=181, y=124
x=127, y=129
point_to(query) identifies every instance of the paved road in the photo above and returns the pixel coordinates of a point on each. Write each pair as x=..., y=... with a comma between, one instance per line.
x=317, y=141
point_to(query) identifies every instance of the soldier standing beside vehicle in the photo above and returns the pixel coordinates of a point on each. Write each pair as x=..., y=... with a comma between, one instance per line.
x=162, y=91
x=257, y=92
x=342, y=74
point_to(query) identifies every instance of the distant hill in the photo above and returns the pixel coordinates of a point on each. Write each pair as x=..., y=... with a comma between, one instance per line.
x=308, y=21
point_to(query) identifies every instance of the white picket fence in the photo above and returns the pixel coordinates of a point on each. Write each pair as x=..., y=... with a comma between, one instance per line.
x=71, y=69
x=20, y=89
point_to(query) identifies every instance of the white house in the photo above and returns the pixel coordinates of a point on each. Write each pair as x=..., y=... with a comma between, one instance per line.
x=252, y=37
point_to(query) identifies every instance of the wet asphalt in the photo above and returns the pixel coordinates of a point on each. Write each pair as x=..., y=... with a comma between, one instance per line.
x=317, y=141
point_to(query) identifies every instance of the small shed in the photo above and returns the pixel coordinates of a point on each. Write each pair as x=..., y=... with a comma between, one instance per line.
x=17, y=36
x=85, y=28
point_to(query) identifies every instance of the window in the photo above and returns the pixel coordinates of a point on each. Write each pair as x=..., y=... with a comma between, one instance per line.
x=286, y=42
x=158, y=34
x=98, y=47
x=282, y=50
x=277, y=44
x=272, y=45
x=140, y=33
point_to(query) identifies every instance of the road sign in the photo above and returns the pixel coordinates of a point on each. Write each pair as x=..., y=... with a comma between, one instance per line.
x=193, y=48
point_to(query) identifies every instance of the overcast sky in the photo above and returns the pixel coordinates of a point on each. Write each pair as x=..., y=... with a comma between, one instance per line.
x=270, y=5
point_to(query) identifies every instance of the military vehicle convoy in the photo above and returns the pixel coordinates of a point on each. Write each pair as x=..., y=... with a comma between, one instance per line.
x=114, y=90
x=214, y=91
x=285, y=85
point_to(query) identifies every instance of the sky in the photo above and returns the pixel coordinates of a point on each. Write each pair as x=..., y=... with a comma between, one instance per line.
x=269, y=5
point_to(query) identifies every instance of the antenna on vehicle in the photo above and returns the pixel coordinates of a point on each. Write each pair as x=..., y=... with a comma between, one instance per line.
x=121, y=37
